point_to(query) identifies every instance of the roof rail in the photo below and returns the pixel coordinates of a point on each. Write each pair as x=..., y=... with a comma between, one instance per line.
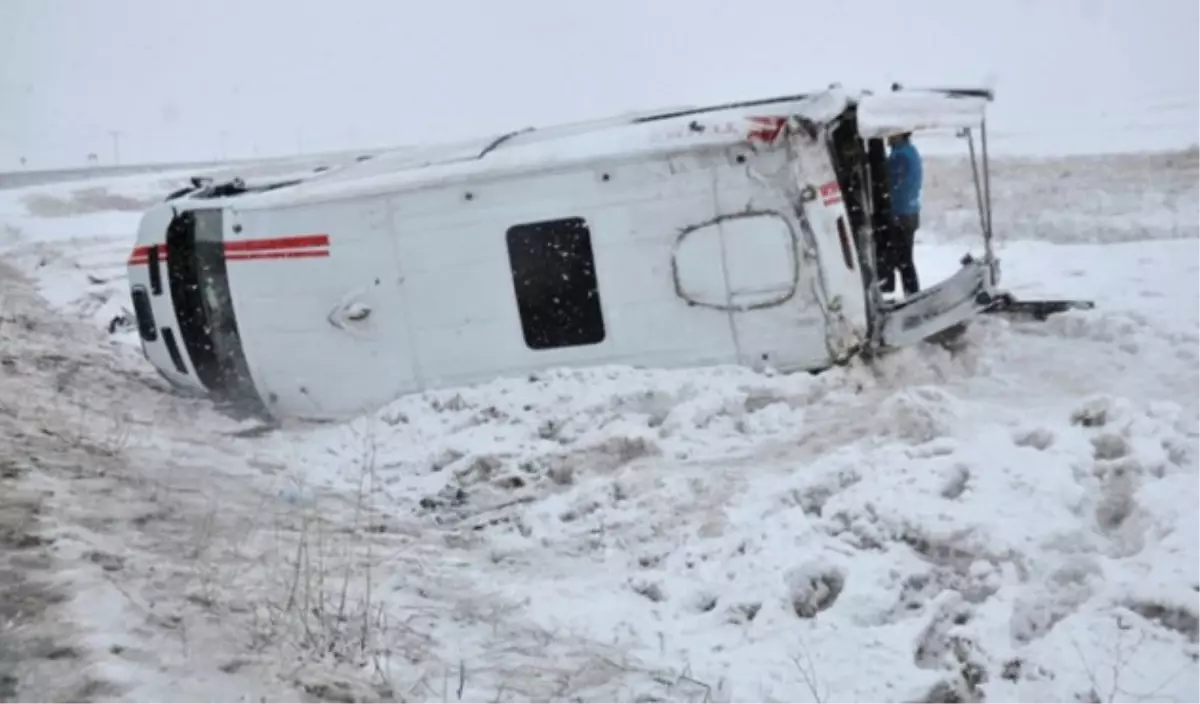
x=973, y=92
x=501, y=140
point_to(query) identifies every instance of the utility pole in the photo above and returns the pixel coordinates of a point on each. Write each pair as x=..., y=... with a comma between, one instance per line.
x=224, y=136
x=116, y=139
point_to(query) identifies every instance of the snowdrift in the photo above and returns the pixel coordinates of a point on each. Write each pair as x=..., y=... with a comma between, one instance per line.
x=1014, y=521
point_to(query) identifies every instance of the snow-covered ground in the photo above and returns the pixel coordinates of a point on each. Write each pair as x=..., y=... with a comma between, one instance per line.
x=1016, y=521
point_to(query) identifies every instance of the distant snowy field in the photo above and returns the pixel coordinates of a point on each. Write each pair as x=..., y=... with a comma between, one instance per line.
x=1014, y=522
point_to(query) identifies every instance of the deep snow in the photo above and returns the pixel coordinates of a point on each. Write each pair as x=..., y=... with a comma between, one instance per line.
x=1016, y=521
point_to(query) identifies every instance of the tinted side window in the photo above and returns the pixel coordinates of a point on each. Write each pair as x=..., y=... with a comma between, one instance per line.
x=145, y=315
x=554, y=277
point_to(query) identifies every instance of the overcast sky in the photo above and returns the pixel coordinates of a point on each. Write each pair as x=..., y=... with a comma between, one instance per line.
x=188, y=80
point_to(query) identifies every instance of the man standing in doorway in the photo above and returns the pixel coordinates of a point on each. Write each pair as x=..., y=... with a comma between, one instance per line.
x=905, y=174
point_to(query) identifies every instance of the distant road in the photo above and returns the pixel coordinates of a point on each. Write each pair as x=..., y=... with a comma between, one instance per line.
x=17, y=179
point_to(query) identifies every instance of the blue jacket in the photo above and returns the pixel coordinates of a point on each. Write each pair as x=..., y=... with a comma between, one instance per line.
x=905, y=173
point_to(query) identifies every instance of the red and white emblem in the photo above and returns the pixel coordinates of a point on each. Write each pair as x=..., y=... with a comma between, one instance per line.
x=765, y=129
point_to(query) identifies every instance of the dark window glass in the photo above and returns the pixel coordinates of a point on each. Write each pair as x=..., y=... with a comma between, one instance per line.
x=155, y=273
x=173, y=350
x=145, y=315
x=554, y=277
x=200, y=292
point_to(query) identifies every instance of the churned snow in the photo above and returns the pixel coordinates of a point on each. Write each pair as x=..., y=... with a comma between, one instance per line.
x=1016, y=520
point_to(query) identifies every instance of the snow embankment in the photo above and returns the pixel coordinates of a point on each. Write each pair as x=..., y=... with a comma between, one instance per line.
x=1022, y=513
x=1016, y=521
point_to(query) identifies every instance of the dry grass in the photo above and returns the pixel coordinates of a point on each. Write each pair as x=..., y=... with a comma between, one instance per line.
x=1106, y=683
x=83, y=201
x=1069, y=199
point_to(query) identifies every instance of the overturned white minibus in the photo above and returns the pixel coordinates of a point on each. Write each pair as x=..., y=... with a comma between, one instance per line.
x=737, y=233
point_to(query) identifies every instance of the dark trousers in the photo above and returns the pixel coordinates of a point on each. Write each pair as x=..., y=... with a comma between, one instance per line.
x=894, y=253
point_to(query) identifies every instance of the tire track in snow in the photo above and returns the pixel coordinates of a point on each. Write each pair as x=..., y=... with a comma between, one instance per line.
x=121, y=525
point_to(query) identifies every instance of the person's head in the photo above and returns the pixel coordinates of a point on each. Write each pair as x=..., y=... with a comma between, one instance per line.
x=901, y=138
